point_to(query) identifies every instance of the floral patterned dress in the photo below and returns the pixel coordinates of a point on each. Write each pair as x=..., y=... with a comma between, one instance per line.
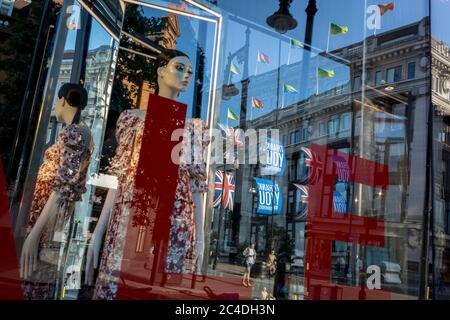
x=192, y=177
x=129, y=132
x=63, y=170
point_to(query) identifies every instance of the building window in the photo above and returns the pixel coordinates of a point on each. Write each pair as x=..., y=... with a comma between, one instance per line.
x=345, y=121
x=394, y=74
x=357, y=83
x=285, y=139
x=322, y=129
x=378, y=78
x=297, y=136
x=291, y=202
x=333, y=126
x=293, y=168
x=292, y=140
x=305, y=134
x=411, y=70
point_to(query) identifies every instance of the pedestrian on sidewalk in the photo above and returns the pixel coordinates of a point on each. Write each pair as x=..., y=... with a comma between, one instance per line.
x=250, y=256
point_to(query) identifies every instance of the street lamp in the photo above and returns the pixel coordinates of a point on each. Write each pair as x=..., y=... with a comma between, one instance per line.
x=282, y=20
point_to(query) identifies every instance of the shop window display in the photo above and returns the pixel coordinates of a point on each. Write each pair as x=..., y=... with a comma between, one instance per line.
x=347, y=114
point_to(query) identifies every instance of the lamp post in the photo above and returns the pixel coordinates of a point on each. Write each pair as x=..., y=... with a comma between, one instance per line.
x=311, y=11
x=282, y=20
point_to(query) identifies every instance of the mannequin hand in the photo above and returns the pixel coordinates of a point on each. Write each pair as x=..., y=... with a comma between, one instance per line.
x=92, y=261
x=29, y=255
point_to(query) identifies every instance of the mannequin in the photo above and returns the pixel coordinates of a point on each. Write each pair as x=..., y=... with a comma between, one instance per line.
x=60, y=183
x=174, y=71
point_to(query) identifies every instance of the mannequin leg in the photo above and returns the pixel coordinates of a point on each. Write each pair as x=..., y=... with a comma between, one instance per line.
x=199, y=221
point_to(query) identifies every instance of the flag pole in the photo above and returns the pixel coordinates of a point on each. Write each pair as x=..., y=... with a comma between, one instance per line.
x=257, y=62
x=317, y=81
x=289, y=54
x=328, y=41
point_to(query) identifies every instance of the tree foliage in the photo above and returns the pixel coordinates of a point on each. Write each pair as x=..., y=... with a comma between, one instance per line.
x=133, y=70
x=15, y=59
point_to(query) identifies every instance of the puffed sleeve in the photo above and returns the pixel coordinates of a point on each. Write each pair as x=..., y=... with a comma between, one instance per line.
x=126, y=133
x=71, y=178
x=194, y=151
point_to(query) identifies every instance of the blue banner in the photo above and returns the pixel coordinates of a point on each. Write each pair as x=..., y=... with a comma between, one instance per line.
x=269, y=197
x=275, y=159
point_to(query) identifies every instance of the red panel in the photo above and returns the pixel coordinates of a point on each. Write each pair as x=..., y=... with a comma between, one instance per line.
x=325, y=226
x=153, y=198
x=10, y=283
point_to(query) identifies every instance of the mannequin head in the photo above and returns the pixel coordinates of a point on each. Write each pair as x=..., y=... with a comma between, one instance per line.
x=173, y=73
x=72, y=98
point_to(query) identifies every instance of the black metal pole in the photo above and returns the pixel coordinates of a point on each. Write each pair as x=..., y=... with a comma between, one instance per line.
x=311, y=11
x=432, y=221
x=423, y=285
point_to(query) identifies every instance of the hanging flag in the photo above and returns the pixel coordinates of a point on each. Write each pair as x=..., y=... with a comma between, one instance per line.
x=234, y=69
x=231, y=115
x=257, y=104
x=296, y=44
x=342, y=168
x=270, y=200
x=263, y=58
x=218, y=180
x=323, y=73
x=314, y=164
x=289, y=89
x=337, y=29
x=272, y=151
x=339, y=202
x=224, y=190
x=386, y=7
x=304, y=192
x=304, y=198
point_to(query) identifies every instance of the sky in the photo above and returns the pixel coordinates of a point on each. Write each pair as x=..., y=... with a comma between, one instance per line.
x=440, y=11
x=350, y=13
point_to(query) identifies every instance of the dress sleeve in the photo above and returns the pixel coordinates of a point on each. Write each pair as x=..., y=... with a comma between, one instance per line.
x=195, y=143
x=126, y=133
x=71, y=177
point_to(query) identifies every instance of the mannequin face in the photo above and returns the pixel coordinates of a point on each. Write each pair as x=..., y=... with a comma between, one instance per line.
x=175, y=76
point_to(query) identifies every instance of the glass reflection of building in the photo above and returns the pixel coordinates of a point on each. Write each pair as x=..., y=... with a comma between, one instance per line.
x=441, y=221
x=397, y=77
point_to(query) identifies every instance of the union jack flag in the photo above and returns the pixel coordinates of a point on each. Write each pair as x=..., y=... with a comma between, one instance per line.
x=339, y=202
x=224, y=192
x=304, y=192
x=342, y=168
x=304, y=198
x=314, y=164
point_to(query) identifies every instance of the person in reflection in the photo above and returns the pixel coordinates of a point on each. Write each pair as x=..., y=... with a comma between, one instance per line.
x=250, y=258
x=272, y=263
x=185, y=248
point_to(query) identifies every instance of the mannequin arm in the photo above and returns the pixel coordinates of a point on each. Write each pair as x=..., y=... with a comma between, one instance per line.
x=29, y=255
x=97, y=237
